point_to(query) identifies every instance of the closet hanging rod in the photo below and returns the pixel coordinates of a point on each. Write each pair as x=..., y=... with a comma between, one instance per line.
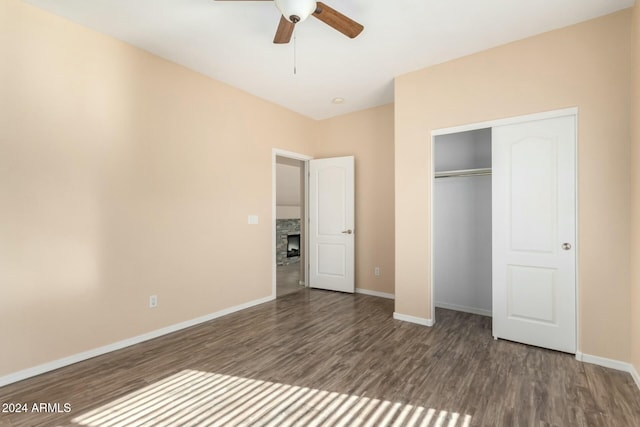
x=463, y=172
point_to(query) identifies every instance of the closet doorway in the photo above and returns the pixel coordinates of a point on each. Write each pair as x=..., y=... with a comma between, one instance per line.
x=462, y=221
x=504, y=226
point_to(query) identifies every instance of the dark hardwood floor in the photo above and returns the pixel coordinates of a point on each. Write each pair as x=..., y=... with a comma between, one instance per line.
x=324, y=358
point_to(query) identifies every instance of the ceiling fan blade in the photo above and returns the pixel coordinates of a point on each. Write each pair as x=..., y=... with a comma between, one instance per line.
x=284, y=31
x=335, y=19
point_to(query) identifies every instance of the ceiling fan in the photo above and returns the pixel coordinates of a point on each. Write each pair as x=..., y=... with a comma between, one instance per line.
x=295, y=11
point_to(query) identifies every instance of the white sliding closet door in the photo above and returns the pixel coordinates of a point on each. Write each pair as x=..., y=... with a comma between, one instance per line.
x=534, y=233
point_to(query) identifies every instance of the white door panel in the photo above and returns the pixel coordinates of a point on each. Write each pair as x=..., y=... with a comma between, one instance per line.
x=534, y=211
x=533, y=195
x=331, y=199
x=530, y=293
x=331, y=224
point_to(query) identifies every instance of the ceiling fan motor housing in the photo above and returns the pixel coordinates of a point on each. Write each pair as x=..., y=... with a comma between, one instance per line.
x=296, y=10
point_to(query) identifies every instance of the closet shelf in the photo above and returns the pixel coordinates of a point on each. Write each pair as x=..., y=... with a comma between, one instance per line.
x=463, y=172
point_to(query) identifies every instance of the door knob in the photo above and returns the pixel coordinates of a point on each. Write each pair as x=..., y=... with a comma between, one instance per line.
x=566, y=246
x=347, y=232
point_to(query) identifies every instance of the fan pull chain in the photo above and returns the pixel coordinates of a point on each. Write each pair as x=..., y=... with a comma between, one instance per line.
x=294, y=52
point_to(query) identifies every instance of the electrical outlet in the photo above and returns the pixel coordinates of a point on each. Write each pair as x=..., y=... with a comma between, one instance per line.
x=153, y=301
x=376, y=271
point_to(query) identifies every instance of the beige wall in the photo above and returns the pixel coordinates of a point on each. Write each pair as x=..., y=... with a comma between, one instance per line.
x=635, y=199
x=367, y=135
x=585, y=65
x=123, y=175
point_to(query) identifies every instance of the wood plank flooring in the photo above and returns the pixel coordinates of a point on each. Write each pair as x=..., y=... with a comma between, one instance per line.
x=324, y=358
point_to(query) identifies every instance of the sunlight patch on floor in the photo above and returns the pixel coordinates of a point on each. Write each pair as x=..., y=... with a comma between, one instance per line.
x=195, y=398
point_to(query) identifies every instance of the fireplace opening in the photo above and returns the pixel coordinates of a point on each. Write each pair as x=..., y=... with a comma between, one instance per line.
x=293, y=245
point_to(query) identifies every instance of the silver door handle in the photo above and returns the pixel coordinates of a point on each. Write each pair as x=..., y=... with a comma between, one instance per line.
x=347, y=232
x=566, y=246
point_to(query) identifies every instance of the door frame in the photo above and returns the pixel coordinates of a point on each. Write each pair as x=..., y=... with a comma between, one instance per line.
x=305, y=215
x=572, y=111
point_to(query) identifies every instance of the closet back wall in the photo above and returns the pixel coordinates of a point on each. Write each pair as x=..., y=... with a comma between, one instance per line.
x=462, y=223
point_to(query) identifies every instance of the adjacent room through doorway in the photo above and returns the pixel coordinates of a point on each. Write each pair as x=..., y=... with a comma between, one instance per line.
x=289, y=230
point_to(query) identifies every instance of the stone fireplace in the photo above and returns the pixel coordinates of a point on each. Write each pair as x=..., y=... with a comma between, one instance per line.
x=287, y=241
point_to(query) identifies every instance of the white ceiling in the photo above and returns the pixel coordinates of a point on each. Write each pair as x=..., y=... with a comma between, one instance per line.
x=231, y=41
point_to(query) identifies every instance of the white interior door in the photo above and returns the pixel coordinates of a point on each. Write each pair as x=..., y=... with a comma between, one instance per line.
x=331, y=224
x=534, y=233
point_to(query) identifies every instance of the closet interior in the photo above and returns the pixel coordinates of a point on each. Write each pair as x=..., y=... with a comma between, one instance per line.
x=462, y=221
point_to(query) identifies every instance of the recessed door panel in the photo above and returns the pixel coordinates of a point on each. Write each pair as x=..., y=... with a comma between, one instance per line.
x=331, y=260
x=533, y=184
x=331, y=200
x=531, y=294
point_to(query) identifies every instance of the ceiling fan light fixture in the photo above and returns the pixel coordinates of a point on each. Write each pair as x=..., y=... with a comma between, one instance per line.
x=296, y=10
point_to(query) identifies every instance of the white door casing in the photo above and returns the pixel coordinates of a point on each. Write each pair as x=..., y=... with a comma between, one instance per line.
x=534, y=232
x=331, y=224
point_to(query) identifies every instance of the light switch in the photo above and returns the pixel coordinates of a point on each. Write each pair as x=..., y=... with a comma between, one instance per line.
x=253, y=219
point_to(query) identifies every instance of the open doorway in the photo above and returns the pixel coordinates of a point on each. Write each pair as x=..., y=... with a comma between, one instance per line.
x=325, y=255
x=289, y=227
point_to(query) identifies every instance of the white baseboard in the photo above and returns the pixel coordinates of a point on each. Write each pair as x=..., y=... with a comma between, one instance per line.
x=464, y=309
x=603, y=361
x=635, y=376
x=413, y=319
x=375, y=293
x=610, y=363
x=79, y=357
